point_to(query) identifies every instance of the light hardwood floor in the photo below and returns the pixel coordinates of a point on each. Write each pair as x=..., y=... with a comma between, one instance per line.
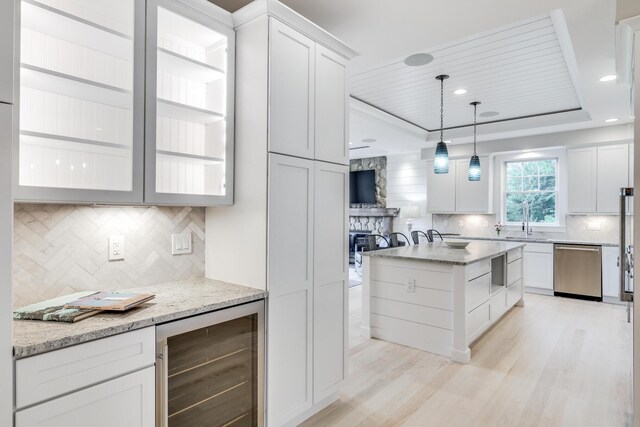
x=554, y=362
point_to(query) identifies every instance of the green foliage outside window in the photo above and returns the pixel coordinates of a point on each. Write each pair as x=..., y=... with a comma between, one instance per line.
x=533, y=181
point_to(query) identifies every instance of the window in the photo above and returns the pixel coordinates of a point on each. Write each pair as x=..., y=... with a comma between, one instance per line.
x=533, y=181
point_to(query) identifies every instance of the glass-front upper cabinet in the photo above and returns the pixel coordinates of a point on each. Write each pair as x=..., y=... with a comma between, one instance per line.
x=81, y=101
x=189, y=105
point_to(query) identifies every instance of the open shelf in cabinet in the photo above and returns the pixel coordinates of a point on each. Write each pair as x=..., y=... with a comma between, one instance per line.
x=53, y=81
x=175, y=63
x=205, y=160
x=186, y=112
x=66, y=26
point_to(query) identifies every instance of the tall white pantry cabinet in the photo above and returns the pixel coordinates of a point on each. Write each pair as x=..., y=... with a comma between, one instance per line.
x=287, y=231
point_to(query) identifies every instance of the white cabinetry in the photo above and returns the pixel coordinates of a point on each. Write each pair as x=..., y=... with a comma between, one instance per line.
x=291, y=122
x=441, y=189
x=291, y=77
x=189, y=105
x=595, y=176
x=582, y=179
x=538, y=266
x=128, y=401
x=308, y=117
x=6, y=50
x=88, y=135
x=290, y=281
x=454, y=193
x=474, y=196
x=331, y=115
x=87, y=381
x=613, y=174
x=610, y=272
x=330, y=272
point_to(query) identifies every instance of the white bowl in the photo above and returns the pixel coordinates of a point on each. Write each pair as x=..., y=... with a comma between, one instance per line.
x=457, y=244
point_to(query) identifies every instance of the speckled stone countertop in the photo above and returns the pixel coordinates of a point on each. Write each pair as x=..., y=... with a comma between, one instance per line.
x=533, y=240
x=441, y=253
x=174, y=300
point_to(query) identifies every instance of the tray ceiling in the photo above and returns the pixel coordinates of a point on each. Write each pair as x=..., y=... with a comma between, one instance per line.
x=517, y=70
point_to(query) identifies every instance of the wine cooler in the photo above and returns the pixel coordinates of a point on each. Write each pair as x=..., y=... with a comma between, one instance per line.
x=210, y=369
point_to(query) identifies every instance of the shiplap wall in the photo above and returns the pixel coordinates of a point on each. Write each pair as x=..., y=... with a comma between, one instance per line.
x=407, y=185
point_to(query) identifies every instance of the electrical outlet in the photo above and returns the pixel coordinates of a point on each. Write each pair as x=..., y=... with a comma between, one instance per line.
x=593, y=226
x=116, y=248
x=181, y=244
x=461, y=223
x=411, y=285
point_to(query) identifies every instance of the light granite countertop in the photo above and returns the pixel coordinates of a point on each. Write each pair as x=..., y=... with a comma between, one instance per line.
x=174, y=300
x=531, y=240
x=441, y=253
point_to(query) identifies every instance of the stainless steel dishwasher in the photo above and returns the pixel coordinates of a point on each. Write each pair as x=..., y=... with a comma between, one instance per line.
x=577, y=271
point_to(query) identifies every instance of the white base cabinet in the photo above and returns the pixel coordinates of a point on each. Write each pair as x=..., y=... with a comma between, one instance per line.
x=538, y=266
x=610, y=272
x=128, y=401
x=110, y=381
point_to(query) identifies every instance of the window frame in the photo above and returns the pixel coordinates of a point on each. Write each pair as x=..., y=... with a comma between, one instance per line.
x=558, y=153
x=556, y=190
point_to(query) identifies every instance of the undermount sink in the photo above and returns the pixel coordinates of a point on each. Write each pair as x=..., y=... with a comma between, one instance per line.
x=526, y=238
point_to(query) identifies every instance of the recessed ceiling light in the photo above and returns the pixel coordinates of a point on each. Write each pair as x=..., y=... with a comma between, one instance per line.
x=460, y=91
x=447, y=141
x=418, y=59
x=350, y=143
x=608, y=78
x=369, y=140
x=611, y=120
x=489, y=114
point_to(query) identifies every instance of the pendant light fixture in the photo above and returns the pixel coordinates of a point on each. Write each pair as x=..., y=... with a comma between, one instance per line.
x=441, y=159
x=474, y=164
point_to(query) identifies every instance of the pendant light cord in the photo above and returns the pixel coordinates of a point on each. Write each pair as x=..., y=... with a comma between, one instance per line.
x=442, y=110
x=475, y=117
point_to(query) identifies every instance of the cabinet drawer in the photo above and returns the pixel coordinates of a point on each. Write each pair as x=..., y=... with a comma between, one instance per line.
x=477, y=320
x=52, y=374
x=543, y=248
x=128, y=401
x=477, y=290
x=514, y=293
x=514, y=271
x=498, y=305
x=514, y=255
x=477, y=269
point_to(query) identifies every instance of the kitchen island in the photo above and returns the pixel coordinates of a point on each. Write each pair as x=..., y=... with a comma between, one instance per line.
x=439, y=299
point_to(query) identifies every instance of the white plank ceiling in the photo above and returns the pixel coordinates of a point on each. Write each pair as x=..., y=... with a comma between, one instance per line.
x=517, y=70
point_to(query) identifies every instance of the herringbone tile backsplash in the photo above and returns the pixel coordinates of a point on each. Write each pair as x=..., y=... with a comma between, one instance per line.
x=60, y=249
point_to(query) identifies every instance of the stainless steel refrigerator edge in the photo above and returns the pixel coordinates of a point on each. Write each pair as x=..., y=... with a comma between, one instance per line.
x=625, y=259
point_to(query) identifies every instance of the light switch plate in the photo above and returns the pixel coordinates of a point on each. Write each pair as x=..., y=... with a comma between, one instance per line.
x=461, y=223
x=116, y=248
x=593, y=226
x=181, y=244
x=485, y=223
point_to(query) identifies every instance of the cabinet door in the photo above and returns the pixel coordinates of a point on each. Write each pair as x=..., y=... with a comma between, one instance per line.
x=538, y=270
x=330, y=279
x=290, y=286
x=189, y=107
x=291, y=91
x=613, y=174
x=441, y=189
x=610, y=272
x=582, y=173
x=473, y=196
x=127, y=401
x=81, y=102
x=6, y=50
x=331, y=128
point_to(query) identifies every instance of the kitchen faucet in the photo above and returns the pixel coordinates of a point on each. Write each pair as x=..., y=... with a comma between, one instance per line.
x=528, y=231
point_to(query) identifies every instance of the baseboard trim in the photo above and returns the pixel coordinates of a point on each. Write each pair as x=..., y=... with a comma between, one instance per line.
x=539, y=291
x=461, y=356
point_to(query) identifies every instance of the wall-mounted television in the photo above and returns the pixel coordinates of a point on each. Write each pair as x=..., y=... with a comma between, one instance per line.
x=362, y=187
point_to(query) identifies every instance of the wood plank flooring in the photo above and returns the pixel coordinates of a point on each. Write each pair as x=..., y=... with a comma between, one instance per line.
x=554, y=362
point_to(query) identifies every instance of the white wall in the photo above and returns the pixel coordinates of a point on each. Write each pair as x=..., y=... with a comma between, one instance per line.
x=407, y=185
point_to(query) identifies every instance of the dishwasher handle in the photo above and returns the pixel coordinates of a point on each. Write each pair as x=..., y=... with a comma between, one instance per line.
x=573, y=248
